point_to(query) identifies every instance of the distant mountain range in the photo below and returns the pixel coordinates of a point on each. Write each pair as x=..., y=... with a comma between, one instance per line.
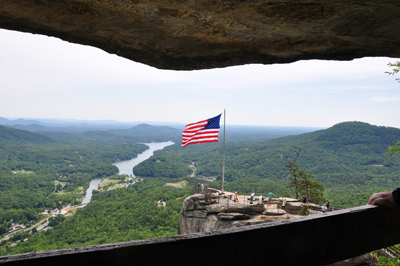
x=63, y=128
x=74, y=125
x=20, y=121
x=141, y=133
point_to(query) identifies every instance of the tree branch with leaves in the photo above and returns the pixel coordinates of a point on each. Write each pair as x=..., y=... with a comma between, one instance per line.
x=396, y=70
x=393, y=148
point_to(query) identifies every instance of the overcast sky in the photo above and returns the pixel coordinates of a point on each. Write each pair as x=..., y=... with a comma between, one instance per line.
x=44, y=77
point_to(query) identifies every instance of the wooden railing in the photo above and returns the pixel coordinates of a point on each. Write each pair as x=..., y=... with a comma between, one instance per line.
x=318, y=239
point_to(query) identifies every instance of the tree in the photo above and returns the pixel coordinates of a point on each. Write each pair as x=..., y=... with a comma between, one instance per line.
x=309, y=188
x=2, y=230
x=304, y=211
x=396, y=69
x=303, y=183
x=294, y=172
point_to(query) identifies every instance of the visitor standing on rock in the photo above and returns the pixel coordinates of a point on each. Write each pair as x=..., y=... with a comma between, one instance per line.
x=270, y=197
x=236, y=197
x=252, y=198
x=260, y=200
x=283, y=203
x=327, y=204
x=324, y=208
x=202, y=187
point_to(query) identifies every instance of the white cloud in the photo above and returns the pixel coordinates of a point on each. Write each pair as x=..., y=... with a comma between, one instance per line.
x=383, y=99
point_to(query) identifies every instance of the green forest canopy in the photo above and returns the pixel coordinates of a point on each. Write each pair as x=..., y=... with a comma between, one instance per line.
x=348, y=159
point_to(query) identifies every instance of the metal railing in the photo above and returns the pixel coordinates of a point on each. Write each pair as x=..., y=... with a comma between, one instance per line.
x=391, y=252
x=244, y=204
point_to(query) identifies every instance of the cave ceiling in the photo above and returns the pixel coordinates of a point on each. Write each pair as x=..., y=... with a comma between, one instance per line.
x=203, y=34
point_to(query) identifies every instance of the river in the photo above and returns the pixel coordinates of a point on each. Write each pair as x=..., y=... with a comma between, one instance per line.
x=126, y=167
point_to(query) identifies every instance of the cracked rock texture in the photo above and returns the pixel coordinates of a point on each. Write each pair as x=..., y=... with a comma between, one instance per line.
x=212, y=211
x=186, y=35
x=197, y=215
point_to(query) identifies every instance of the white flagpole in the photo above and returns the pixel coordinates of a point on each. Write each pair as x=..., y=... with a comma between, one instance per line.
x=223, y=156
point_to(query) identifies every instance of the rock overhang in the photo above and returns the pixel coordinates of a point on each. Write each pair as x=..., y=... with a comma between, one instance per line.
x=188, y=35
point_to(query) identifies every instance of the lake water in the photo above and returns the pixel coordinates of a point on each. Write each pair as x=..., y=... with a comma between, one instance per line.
x=93, y=184
x=126, y=167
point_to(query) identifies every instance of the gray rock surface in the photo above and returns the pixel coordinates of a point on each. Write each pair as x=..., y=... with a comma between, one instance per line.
x=295, y=207
x=233, y=216
x=197, y=215
x=209, y=34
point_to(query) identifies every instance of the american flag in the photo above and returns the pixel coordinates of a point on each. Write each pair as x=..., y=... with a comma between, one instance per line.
x=201, y=132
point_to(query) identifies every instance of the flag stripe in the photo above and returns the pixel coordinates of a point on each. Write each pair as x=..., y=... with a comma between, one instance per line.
x=205, y=131
x=199, y=141
x=200, y=137
x=200, y=123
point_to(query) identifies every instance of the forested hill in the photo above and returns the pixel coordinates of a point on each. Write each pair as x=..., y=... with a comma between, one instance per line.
x=141, y=133
x=348, y=133
x=148, y=132
x=347, y=158
x=38, y=172
x=10, y=136
x=354, y=133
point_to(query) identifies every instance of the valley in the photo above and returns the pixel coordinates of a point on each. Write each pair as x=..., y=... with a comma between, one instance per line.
x=348, y=159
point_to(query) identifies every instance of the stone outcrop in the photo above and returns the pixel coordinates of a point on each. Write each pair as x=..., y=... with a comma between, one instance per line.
x=295, y=207
x=189, y=35
x=212, y=211
x=201, y=214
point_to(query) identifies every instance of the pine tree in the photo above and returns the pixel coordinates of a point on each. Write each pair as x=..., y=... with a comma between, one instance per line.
x=304, y=211
x=303, y=183
x=309, y=188
x=294, y=172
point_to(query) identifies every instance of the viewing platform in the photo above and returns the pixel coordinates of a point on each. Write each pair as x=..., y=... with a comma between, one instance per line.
x=211, y=210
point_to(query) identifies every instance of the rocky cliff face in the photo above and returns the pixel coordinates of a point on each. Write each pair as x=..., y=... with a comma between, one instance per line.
x=209, y=212
x=198, y=216
x=188, y=35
